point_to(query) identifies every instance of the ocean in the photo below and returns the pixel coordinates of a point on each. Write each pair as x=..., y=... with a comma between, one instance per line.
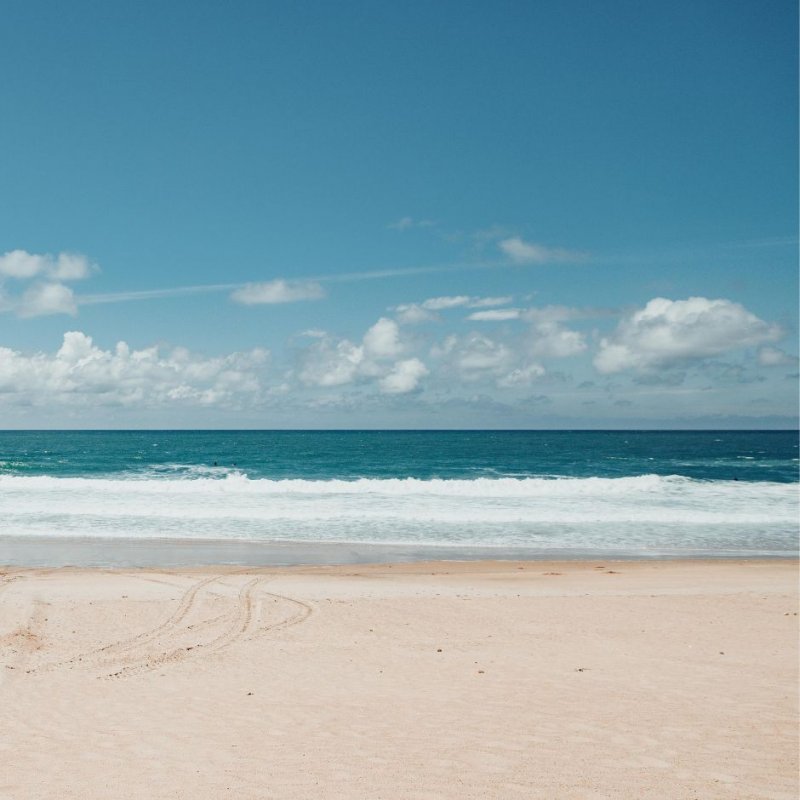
x=360, y=494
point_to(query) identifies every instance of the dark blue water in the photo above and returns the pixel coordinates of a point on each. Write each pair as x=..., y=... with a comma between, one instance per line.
x=326, y=455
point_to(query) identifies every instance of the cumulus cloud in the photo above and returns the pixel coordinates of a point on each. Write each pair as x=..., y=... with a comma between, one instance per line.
x=516, y=360
x=479, y=353
x=43, y=299
x=522, y=376
x=522, y=252
x=48, y=295
x=80, y=373
x=70, y=267
x=22, y=265
x=774, y=357
x=404, y=377
x=554, y=340
x=667, y=333
x=277, y=291
x=330, y=362
x=549, y=337
x=413, y=314
x=382, y=340
x=474, y=357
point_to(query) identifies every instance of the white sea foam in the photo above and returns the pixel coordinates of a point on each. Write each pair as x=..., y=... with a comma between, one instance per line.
x=631, y=512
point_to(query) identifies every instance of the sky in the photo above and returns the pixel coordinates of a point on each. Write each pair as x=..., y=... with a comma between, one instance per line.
x=506, y=214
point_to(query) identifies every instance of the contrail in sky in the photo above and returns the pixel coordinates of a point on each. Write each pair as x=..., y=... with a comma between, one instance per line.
x=400, y=272
x=342, y=277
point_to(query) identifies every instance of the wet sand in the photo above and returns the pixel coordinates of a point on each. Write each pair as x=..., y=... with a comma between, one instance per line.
x=429, y=680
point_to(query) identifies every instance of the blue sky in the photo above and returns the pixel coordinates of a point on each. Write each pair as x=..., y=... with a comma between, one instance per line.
x=506, y=214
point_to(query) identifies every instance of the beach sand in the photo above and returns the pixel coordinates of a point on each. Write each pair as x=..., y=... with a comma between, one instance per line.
x=430, y=680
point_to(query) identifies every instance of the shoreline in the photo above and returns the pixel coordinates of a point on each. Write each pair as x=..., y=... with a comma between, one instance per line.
x=129, y=552
x=431, y=566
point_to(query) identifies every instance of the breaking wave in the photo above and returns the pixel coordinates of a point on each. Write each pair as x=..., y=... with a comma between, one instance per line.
x=633, y=513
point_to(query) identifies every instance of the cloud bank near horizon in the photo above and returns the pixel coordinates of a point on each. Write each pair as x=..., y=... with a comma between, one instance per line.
x=672, y=350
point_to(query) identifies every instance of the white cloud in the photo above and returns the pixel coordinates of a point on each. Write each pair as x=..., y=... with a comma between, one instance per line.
x=445, y=348
x=441, y=303
x=456, y=301
x=48, y=295
x=490, y=302
x=414, y=313
x=543, y=314
x=70, y=267
x=82, y=374
x=474, y=356
x=329, y=363
x=522, y=376
x=20, y=264
x=549, y=338
x=672, y=332
x=404, y=377
x=23, y=265
x=553, y=340
x=774, y=357
x=495, y=315
x=404, y=223
x=522, y=252
x=480, y=353
x=277, y=291
x=382, y=340
x=43, y=299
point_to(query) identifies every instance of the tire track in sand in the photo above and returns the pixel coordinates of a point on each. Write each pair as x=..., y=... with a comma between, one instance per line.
x=186, y=604
x=161, y=645
x=303, y=612
x=246, y=624
x=241, y=620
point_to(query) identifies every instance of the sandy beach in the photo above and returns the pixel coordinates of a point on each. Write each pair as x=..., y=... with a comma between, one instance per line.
x=430, y=680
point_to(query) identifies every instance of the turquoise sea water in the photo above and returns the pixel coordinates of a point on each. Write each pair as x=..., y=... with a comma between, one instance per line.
x=633, y=492
x=327, y=455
